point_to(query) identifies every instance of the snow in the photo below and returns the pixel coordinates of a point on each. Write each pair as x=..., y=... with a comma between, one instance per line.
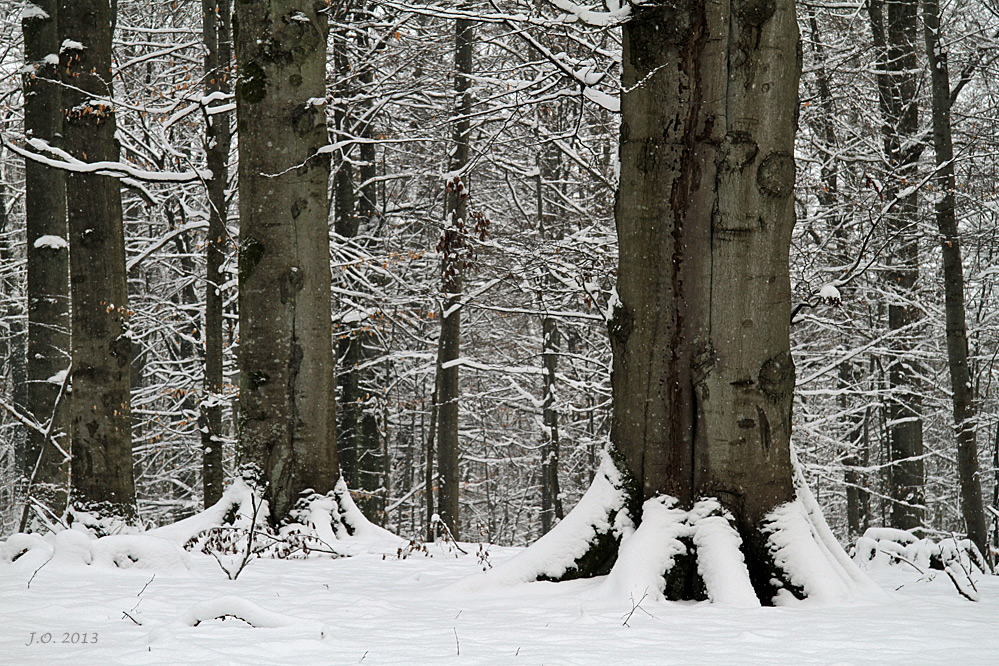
x=387, y=611
x=58, y=378
x=719, y=560
x=556, y=552
x=32, y=11
x=249, y=612
x=590, y=17
x=75, y=548
x=71, y=45
x=649, y=551
x=830, y=294
x=53, y=242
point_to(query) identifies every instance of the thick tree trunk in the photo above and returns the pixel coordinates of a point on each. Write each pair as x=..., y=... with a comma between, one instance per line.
x=895, y=35
x=453, y=268
x=217, y=35
x=102, y=483
x=48, y=260
x=700, y=461
x=703, y=377
x=953, y=268
x=287, y=441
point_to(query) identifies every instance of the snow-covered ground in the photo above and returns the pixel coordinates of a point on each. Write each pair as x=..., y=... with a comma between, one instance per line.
x=375, y=609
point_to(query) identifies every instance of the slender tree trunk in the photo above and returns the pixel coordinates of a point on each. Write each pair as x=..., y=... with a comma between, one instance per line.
x=456, y=213
x=428, y=467
x=370, y=456
x=216, y=30
x=828, y=197
x=287, y=431
x=354, y=207
x=953, y=268
x=551, y=501
x=895, y=34
x=102, y=483
x=48, y=259
x=12, y=340
x=346, y=225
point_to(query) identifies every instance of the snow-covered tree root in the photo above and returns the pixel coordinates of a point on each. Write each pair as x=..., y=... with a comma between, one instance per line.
x=256, y=616
x=329, y=523
x=662, y=551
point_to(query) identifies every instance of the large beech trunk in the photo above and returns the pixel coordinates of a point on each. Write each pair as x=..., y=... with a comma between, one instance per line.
x=703, y=376
x=102, y=484
x=287, y=440
x=698, y=498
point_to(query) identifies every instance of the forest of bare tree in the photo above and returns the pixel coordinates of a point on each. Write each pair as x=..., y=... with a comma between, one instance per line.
x=170, y=183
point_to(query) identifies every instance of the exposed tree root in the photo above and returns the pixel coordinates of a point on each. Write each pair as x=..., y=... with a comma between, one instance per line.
x=699, y=553
x=584, y=544
x=330, y=524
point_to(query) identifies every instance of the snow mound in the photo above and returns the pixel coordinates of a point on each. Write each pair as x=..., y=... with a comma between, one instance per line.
x=667, y=533
x=51, y=242
x=139, y=551
x=76, y=547
x=800, y=553
x=249, y=612
x=649, y=552
x=29, y=549
x=882, y=547
x=235, y=503
x=556, y=552
x=720, y=563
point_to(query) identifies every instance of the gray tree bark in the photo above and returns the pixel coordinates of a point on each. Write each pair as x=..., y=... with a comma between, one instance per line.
x=953, y=269
x=48, y=261
x=287, y=431
x=102, y=483
x=702, y=372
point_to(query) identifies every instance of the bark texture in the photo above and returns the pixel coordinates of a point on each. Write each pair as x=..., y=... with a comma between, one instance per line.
x=287, y=438
x=953, y=269
x=702, y=372
x=48, y=261
x=702, y=376
x=101, y=344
